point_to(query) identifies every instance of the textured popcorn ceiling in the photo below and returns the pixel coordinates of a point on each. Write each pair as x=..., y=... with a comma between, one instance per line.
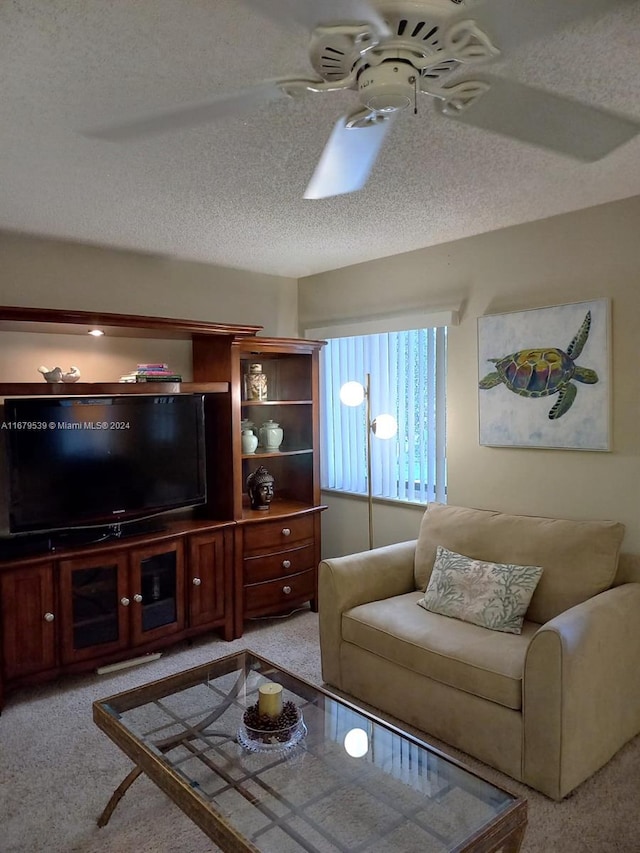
x=230, y=192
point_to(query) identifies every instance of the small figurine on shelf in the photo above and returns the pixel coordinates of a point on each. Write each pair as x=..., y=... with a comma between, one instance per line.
x=72, y=376
x=260, y=488
x=51, y=375
x=56, y=374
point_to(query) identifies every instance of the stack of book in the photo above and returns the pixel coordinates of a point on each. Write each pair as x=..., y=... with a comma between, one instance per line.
x=152, y=373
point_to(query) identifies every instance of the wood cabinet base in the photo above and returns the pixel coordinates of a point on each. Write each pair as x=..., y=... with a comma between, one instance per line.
x=77, y=609
x=277, y=558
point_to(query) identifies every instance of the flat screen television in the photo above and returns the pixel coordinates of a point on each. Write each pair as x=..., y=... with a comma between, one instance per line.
x=88, y=461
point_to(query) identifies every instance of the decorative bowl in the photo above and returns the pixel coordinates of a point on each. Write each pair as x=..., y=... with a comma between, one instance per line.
x=271, y=734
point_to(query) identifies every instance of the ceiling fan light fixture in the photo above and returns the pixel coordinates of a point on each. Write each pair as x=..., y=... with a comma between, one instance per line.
x=387, y=87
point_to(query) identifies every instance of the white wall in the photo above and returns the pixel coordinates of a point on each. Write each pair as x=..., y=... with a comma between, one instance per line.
x=584, y=255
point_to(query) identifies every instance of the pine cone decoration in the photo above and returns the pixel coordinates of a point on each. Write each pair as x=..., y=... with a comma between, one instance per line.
x=266, y=729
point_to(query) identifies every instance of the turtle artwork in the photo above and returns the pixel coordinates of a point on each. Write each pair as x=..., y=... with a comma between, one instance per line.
x=541, y=372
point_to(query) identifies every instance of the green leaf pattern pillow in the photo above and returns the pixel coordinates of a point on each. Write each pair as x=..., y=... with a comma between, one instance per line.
x=494, y=595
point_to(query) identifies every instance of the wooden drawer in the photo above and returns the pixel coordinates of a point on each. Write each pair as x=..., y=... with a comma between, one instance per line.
x=265, y=536
x=280, y=594
x=270, y=566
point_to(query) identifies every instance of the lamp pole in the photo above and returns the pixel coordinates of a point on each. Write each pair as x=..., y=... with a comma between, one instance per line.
x=384, y=426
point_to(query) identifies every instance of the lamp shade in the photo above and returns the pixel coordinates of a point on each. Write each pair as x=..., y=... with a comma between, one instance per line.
x=384, y=426
x=352, y=393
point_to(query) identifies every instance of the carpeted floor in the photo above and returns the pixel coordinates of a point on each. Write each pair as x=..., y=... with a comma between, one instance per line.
x=57, y=769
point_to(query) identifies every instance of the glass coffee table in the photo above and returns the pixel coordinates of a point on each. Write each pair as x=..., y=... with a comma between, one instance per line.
x=351, y=782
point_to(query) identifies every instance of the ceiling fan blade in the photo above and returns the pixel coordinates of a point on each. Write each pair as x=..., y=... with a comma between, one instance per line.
x=512, y=22
x=348, y=158
x=545, y=119
x=310, y=13
x=240, y=103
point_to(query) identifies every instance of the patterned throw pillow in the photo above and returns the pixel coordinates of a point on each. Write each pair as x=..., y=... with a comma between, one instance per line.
x=494, y=595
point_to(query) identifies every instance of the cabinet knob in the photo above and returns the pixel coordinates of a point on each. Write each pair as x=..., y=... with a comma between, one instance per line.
x=286, y=590
x=137, y=598
x=196, y=581
x=124, y=602
x=49, y=617
x=286, y=564
x=286, y=531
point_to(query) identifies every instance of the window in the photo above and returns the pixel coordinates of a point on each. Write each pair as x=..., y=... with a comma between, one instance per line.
x=407, y=377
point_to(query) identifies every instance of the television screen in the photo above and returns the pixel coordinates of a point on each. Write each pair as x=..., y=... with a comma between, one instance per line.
x=87, y=461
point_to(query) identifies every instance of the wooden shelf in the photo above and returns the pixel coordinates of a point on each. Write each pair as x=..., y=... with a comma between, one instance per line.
x=279, y=508
x=53, y=320
x=263, y=454
x=75, y=389
x=247, y=403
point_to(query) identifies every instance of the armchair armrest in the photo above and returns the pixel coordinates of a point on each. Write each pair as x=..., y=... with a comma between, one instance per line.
x=345, y=582
x=581, y=691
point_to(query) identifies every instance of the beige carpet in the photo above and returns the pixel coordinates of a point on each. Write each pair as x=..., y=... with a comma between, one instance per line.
x=57, y=769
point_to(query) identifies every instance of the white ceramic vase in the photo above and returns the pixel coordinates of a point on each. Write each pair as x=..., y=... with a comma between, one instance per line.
x=249, y=441
x=270, y=436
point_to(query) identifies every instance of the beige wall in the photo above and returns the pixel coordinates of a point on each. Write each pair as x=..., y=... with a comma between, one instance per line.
x=103, y=359
x=42, y=273
x=585, y=255
x=579, y=256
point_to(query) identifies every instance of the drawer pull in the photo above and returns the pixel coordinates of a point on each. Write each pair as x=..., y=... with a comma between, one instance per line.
x=49, y=617
x=286, y=531
x=286, y=590
x=286, y=564
x=196, y=581
x=125, y=602
x=137, y=598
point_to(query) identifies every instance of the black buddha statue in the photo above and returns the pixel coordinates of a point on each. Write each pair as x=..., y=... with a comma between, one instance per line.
x=260, y=488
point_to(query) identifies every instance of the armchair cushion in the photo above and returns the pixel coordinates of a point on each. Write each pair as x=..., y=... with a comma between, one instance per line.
x=461, y=655
x=493, y=595
x=579, y=558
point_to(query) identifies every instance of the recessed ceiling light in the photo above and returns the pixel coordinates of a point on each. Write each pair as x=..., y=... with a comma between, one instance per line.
x=96, y=332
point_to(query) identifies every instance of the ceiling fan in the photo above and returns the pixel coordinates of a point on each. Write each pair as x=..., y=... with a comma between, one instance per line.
x=394, y=52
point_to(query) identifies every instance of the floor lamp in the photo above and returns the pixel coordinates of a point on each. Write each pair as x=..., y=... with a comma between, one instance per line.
x=383, y=426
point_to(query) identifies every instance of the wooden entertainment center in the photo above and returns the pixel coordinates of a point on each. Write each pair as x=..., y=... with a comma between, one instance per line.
x=71, y=607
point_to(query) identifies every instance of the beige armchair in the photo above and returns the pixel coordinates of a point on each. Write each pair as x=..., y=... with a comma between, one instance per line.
x=548, y=706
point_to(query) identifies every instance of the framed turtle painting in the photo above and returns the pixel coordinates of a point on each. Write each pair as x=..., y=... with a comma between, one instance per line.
x=544, y=377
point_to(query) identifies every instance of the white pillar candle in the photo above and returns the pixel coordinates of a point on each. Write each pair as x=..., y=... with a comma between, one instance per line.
x=270, y=699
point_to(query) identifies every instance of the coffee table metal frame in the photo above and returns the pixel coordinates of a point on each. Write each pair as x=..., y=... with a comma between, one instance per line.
x=502, y=834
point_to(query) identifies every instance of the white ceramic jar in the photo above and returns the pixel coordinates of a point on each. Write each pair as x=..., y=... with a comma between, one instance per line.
x=249, y=441
x=271, y=435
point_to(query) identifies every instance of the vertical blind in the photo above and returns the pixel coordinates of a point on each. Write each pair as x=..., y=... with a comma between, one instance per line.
x=408, y=372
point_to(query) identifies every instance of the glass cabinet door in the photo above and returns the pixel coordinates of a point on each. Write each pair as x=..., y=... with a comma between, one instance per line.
x=157, y=578
x=95, y=606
